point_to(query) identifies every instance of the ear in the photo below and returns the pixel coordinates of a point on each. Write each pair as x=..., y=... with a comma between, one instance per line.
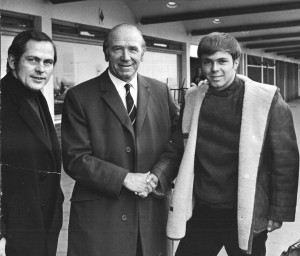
x=236, y=63
x=142, y=55
x=11, y=61
x=106, y=56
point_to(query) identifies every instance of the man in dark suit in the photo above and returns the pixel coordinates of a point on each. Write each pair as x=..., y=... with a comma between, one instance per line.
x=30, y=154
x=122, y=147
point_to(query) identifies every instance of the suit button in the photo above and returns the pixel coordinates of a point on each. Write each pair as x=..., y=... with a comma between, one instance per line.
x=124, y=217
x=128, y=149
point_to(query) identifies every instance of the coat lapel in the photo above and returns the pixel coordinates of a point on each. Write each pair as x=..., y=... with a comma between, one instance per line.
x=26, y=111
x=51, y=132
x=31, y=119
x=142, y=102
x=113, y=100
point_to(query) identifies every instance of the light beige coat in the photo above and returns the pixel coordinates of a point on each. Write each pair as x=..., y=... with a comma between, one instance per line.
x=256, y=105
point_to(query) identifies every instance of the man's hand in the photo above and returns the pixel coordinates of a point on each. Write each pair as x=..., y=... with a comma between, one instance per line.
x=152, y=180
x=273, y=225
x=137, y=183
x=2, y=247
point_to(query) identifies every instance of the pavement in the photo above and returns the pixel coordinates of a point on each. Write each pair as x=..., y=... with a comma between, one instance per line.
x=277, y=242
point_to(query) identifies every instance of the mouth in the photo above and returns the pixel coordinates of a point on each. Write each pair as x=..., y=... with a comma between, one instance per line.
x=125, y=65
x=38, y=78
x=215, y=77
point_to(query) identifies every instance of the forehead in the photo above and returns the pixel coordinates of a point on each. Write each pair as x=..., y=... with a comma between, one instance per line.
x=39, y=48
x=125, y=35
x=217, y=55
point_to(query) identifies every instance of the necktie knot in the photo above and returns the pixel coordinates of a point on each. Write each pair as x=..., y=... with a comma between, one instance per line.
x=127, y=87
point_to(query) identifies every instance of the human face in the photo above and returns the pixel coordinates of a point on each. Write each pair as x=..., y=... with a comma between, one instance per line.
x=219, y=69
x=35, y=66
x=124, y=53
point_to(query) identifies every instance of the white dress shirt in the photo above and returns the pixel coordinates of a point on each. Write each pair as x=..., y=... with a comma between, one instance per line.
x=120, y=86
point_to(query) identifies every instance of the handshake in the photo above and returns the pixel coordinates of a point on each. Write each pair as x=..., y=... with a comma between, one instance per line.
x=142, y=184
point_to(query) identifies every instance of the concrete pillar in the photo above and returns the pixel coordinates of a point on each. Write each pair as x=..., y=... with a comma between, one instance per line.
x=46, y=27
x=186, y=70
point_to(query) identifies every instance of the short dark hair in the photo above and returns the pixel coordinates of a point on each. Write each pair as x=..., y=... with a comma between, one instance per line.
x=217, y=41
x=107, y=36
x=18, y=46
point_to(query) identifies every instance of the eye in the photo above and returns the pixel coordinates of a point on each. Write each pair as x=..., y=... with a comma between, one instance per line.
x=206, y=62
x=32, y=60
x=116, y=49
x=134, y=49
x=223, y=61
x=48, y=62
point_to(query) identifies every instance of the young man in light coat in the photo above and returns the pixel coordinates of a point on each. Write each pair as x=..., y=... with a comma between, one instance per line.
x=238, y=178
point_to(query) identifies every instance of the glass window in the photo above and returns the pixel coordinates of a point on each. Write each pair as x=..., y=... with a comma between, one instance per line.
x=261, y=69
x=161, y=66
x=5, y=43
x=254, y=73
x=254, y=65
x=269, y=70
x=254, y=60
x=76, y=63
x=269, y=75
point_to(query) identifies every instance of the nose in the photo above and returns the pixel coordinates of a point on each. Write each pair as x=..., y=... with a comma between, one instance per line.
x=40, y=67
x=215, y=66
x=125, y=55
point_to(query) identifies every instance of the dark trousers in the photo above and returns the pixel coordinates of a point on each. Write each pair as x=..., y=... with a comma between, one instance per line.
x=210, y=229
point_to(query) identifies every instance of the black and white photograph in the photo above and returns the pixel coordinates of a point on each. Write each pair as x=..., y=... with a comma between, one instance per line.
x=149, y=128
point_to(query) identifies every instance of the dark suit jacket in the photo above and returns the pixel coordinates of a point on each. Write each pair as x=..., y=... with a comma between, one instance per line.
x=100, y=148
x=29, y=195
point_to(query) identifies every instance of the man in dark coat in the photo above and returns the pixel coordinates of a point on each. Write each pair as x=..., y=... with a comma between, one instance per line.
x=123, y=166
x=31, y=158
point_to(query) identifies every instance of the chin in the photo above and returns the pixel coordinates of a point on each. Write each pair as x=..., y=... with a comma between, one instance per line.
x=37, y=87
x=126, y=78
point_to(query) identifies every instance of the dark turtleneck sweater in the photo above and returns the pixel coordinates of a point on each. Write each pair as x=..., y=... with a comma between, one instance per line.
x=216, y=162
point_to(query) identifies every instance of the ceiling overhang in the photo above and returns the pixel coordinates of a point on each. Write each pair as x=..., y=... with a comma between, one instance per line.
x=250, y=27
x=257, y=24
x=221, y=12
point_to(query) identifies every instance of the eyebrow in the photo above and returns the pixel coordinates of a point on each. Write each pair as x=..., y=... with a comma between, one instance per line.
x=33, y=56
x=221, y=58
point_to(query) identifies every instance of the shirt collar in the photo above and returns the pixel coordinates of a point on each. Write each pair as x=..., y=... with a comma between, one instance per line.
x=119, y=84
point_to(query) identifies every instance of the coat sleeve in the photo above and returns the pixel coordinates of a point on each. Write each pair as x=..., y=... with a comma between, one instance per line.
x=79, y=162
x=284, y=161
x=167, y=166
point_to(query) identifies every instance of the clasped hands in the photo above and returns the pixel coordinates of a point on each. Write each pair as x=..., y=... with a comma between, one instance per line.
x=141, y=184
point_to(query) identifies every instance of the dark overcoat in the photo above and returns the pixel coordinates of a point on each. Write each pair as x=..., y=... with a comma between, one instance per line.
x=31, y=164
x=99, y=148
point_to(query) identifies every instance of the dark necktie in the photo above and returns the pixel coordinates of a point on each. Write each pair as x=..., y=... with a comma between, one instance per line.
x=131, y=108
